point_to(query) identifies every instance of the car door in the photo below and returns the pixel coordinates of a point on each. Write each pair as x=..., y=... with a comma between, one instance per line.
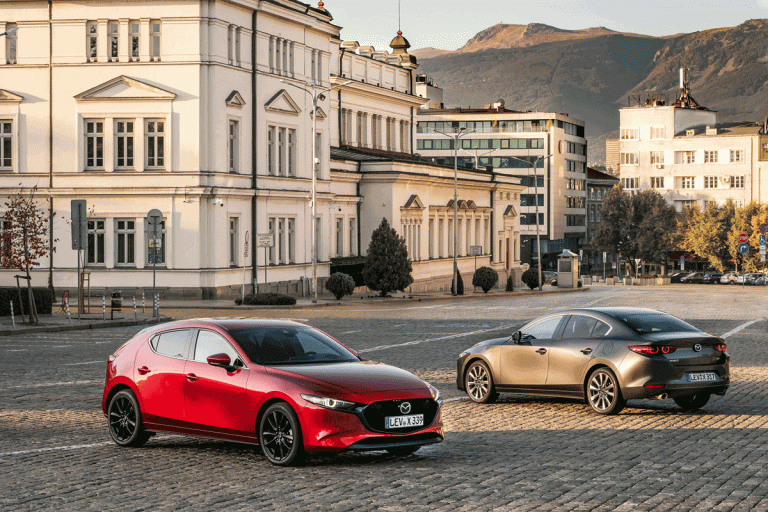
x=524, y=363
x=215, y=398
x=572, y=351
x=159, y=377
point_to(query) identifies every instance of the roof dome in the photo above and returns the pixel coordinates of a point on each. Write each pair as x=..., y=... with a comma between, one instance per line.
x=399, y=44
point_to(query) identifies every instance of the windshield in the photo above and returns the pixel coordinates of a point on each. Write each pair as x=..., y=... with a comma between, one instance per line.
x=290, y=345
x=653, y=323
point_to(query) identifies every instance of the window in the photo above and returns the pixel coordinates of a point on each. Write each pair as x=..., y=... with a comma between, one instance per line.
x=318, y=238
x=281, y=151
x=94, y=144
x=685, y=157
x=571, y=202
x=284, y=235
x=291, y=160
x=155, y=247
x=600, y=330
x=95, y=252
x=686, y=182
x=154, y=28
x=530, y=199
x=710, y=181
x=543, y=330
x=574, y=220
x=352, y=236
x=737, y=181
x=592, y=213
x=92, y=40
x=657, y=181
x=630, y=158
x=6, y=145
x=340, y=237
x=233, y=236
x=629, y=183
x=10, y=44
x=155, y=146
x=124, y=144
x=172, y=343
x=237, y=46
x=630, y=133
x=133, y=39
x=737, y=155
x=599, y=212
x=314, y=69
x=271, y=150
x=710, y=157
x=579, y=326
x=125, y=241
x=657, y=157
x=319, y=67
x=113, y=41
x=230, y=44
x=657, y=132
x=233, y=146
x=573, y=166
x=210, y=343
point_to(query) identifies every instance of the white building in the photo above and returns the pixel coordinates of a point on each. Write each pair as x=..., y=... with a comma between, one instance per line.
x=511, y=142
x=681, y=151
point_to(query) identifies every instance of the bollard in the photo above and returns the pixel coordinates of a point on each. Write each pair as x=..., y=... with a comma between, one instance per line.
x=103, y=307
x=135, y=314
x=143, y=308
x=156, y=308
x=66, y=307
x=13, y=318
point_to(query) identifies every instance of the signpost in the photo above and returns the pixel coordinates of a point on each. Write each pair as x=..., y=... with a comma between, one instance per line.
x=475, y=250
x=79, y=243
x=153, y=220
x=245, y=262
x=743, y=238
x=265, y=240
x=605, y=257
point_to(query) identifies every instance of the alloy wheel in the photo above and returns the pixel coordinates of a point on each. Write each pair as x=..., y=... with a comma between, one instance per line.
x=280, y=435
x=602, y=391
x=478, y=382
x=122, y=419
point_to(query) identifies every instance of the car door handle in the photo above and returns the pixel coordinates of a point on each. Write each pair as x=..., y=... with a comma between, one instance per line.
x=143, y=370
x=191, y=377
x=586, y=351
x=542, y=351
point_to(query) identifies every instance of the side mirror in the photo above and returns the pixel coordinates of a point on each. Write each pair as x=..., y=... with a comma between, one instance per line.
x=219, y=360
x=517, y=336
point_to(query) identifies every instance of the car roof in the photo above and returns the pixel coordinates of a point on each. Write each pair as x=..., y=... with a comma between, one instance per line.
x=228, y=324
x=619, y=311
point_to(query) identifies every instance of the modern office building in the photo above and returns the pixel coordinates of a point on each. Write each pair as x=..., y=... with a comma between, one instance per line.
x=511, y=143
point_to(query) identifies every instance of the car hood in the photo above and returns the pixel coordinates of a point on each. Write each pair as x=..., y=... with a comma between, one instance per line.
x=354, y=378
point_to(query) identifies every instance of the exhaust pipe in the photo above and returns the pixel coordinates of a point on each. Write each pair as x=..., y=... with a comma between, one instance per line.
x=659, y=397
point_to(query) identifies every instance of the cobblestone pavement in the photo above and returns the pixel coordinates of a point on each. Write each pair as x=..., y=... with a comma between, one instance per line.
x=519, y=454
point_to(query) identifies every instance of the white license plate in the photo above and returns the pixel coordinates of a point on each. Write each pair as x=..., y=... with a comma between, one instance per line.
x=702, y=377
x=414, y=420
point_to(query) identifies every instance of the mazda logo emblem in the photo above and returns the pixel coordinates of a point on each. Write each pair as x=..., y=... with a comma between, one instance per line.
x=697, y=348
x=405, y=407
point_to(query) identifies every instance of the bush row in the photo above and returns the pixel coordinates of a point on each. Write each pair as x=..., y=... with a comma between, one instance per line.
x=43, y=301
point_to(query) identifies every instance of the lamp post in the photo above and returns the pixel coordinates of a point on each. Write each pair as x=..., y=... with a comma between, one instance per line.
x=536, y=203
x=316, y=93
x=478, y=155
x=9, y=32
x=458, y=135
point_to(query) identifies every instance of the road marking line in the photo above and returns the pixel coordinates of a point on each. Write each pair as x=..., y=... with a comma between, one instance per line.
x=588, y=304
x=56, y=448
x=739, y=328
x=456, y=399
x=87, y=362
x=350, y=332
x=450, y=336
x=49, y=384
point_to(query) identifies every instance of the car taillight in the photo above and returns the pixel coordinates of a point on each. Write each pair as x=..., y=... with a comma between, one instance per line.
x=111, y=358
x=652, y=350
x=720, y=347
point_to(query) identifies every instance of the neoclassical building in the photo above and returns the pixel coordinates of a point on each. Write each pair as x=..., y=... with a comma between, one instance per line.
x=196, y=108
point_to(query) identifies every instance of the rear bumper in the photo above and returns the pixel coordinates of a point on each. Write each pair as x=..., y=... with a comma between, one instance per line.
x=674, y=391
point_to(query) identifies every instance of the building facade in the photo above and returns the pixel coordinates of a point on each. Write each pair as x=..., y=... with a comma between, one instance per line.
x=598, y=185
x=511, y=143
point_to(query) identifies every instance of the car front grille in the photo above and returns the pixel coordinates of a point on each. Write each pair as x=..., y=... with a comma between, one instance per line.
x=374, y=414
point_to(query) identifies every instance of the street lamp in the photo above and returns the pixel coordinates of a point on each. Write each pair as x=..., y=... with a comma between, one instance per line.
x=536, y=203
x=458, y=135
x=316, y=93
x=9, y=32
x=478, y=155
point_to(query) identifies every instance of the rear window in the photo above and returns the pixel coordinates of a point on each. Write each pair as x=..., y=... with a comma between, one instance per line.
x=654, y=322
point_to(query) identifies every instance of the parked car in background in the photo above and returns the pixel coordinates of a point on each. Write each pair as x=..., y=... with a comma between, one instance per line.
x=761, y=281
x=695, y=278
x=677, y=276
x=549, y=277
x=729, y=278
x=749, y=279
x=712, y=278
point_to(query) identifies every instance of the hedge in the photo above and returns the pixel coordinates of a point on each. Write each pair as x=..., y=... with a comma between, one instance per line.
x=43, y=300
x=267, y=299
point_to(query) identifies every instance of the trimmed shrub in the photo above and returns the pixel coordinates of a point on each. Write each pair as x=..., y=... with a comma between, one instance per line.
x=531, y=278
x=387, y=267
x=510, y=284
x=43, y=301
x=340, y=284
x=486, y=278
x=267, y=299
x=460, y=289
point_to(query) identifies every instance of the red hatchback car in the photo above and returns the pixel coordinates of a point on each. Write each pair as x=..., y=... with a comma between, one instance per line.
x=283, y=385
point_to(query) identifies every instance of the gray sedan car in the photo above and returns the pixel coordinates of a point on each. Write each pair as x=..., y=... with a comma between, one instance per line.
x=605, y=356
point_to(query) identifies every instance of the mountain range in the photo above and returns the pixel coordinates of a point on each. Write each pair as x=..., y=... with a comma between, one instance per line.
x=590, y=73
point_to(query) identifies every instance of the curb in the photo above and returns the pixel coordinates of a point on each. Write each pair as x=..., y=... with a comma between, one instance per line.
x=82, y=327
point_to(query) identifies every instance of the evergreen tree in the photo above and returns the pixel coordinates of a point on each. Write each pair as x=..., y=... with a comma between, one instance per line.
x=387, y=267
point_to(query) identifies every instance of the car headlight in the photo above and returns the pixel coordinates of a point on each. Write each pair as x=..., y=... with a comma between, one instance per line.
x=435, y=394
x=329, y=403
x=465, y=353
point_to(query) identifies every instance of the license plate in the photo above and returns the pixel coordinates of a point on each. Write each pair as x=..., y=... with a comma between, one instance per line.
x=414, y=420
x=702, y=377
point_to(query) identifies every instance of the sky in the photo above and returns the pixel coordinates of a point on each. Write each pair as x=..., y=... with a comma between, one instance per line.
x=448, y=24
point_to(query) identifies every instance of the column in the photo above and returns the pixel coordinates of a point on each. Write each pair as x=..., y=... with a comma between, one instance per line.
x=123, y=41
x=144, y=40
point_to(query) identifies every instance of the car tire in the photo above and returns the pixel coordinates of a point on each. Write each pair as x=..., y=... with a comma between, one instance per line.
x=478, y=382
x=403, y=450
x=692, y=403
x=124, y=417
x=603, y=392
x=280, y=435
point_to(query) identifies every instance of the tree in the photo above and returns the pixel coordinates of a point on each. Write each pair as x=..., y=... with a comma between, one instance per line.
x=747, y=220
x=387, y=267
x=340, y=284
x=24, y=240
x=706, y=232
x=613, y=233
x=531, y=278
x=486, y=278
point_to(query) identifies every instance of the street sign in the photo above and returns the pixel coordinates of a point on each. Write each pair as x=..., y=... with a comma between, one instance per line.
x=613, y=264
x=79, y=224
x=743, y=248
x=245, y=251
x=265, y=240
x=762, y=239
x=743, y=238
x=762, y=229
x=475, y=250
x=682, y=263
x=605, y=257
x=155, y=242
